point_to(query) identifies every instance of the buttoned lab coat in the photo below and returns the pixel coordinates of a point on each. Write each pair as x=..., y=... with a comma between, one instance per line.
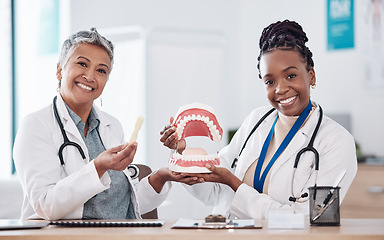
x=48, y=192
x=336, y=148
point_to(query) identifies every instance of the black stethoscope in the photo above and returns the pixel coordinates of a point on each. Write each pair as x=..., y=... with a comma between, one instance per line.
x=297, y=159
x=66, y=140
x=133, y=169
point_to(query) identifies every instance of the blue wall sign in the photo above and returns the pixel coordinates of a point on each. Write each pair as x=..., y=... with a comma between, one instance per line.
x=340, y=24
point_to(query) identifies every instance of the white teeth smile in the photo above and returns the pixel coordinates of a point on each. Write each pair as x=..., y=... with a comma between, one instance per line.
x=288, y=100
x=84, y=87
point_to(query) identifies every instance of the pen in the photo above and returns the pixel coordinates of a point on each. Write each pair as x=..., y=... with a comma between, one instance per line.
x=330, y=193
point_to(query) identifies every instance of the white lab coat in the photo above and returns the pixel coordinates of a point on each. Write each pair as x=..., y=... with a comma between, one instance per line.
x=48, y=192
x=336, y=148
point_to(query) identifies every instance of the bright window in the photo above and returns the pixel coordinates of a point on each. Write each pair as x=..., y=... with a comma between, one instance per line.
x=6, y=88
x=37, y=39
x=37, y=49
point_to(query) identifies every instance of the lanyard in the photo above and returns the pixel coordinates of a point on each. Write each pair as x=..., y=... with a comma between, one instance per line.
x=258, y=182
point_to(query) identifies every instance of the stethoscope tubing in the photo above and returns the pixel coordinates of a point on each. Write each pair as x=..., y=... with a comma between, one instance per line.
x=309, y=148
x=66, y=140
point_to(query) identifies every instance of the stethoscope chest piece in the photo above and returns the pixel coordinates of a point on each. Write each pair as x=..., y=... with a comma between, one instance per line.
x=134, y=171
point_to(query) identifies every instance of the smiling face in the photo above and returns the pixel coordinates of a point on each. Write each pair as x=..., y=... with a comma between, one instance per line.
x=84, y=75
x=287, y=81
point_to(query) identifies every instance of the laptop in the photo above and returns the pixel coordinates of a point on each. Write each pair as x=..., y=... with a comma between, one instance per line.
x=108, y=223
x=12, y=224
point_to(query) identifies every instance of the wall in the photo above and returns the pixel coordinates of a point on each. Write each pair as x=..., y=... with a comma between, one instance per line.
x=341, y=76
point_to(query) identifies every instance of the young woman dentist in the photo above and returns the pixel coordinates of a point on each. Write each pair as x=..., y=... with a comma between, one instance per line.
x=260, y=178
x=91, y=180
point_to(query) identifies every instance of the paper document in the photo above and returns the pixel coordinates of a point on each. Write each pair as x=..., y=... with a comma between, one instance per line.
x=229, y=224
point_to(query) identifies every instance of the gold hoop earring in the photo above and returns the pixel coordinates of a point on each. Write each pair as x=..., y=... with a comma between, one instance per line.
x=313, y=86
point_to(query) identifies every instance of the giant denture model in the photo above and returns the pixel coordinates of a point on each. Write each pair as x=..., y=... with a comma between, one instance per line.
x=195, y=120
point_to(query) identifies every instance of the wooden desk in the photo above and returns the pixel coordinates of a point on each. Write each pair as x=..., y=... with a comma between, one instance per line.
x=349, y=229
x=365, y=197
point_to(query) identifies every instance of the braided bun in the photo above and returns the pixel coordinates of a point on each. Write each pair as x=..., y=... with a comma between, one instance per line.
x=287, y=35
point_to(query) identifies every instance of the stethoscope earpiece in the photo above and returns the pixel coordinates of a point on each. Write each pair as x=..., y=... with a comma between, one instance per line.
x=294, y=199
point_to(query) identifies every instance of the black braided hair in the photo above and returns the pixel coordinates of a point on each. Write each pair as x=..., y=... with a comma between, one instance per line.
x=287, y=35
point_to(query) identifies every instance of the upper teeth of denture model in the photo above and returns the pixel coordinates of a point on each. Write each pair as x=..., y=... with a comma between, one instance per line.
x=198, y=120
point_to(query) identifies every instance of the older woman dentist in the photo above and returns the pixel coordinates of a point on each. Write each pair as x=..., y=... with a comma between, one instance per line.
x=96, y=185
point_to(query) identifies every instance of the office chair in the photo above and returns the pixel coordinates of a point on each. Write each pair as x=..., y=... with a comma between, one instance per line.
x=144, y=171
